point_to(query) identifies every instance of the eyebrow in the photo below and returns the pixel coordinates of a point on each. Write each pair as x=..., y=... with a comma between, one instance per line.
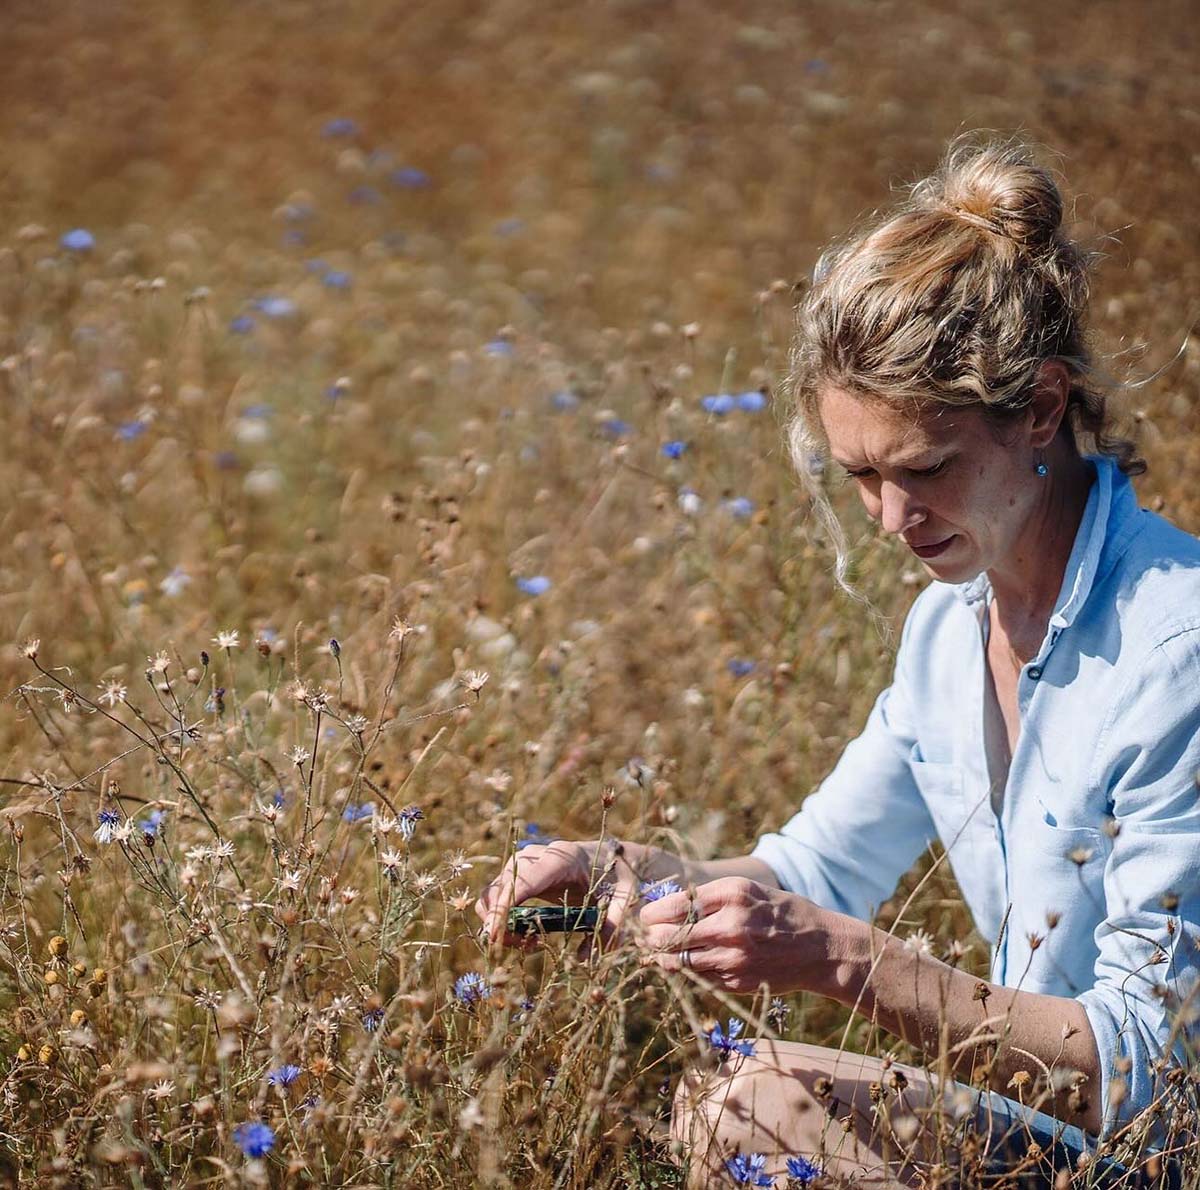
x=905, y=463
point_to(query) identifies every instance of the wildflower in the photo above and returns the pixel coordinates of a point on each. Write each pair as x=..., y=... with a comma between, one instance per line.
x=30, y=648
x=365, y=196
x=725, y=1042
x=458, y=863
x=718, y=405
x=372, y=1019
x=539, y=584
x=129, y=430
x=290, y=881
x=534, y=835
x=152, y=824
x=777, y=1014
x=423, y=882
x=460, y=900
x=114, y=692
x=655, y=890
x=673, y=450
x=358, y=813
x=391, y=862
x=751, y=402
x=408, y=177
x=78, y=239
x=243, y=324
x=409, y=817
x=109, y=821
x=474, y=680
x=284, y=1075
x=276, y=307
x=299, y=755
x=616, y=427
x=564, y=401
x=801, y=1171
x=207, y=999
x=690, y=503
x=227, y=639
x=740, y=508
x=175, y=583
x=340, y=126
x=498, y=347
x=254, y=1139
x=739, y=667
x=469, y=989
x=163, y=1089
x=337, y=279
x=746, y=1169
x=919, y=942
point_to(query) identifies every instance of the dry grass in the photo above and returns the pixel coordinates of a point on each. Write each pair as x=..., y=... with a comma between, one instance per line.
x=388, y=454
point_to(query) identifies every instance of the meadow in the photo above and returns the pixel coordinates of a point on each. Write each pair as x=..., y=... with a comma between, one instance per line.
x=393, y=476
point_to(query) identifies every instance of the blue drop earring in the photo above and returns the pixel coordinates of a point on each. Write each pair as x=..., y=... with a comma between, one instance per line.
x=1041, y=468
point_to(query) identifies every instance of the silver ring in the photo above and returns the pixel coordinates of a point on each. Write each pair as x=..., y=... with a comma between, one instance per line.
x=685, y=959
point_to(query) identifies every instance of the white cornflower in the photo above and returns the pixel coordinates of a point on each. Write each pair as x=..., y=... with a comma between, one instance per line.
x=158, y=663
x=299, y=755
x=423, y=882
x=30, y=647
x=357, y=723
x=290, y=881
x=114, y=692
x=269, y=810
x=340, y=1005
x=161, y=1090
x=391, y=861
x=458, y=863
x=919, y=942
x=207, y=999
x=461, y=899
x=499, y=780
x=175, y=583
x=349, y=895
x=124, y=832
x=400, y=629
x=474, y=680
x=223, y=850
x=227, y=639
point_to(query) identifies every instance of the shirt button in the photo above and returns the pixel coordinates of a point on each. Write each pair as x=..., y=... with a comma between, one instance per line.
x=1035, y=672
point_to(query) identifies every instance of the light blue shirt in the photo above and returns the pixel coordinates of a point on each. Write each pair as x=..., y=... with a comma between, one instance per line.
x=1099, y=827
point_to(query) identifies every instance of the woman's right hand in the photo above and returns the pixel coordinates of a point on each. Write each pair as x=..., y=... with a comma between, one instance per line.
x=556, y=870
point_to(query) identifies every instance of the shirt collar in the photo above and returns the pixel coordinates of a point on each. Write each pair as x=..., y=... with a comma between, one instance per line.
x=1111, y=502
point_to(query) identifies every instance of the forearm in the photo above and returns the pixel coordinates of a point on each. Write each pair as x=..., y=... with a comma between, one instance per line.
x=939, y=1008
x=655, y=863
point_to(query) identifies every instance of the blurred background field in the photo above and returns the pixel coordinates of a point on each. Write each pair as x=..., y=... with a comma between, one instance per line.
x=400, y=326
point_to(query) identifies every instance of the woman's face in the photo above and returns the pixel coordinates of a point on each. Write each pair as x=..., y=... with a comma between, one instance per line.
x=940, y=481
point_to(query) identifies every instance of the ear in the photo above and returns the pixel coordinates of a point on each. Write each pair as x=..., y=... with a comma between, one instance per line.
x=1052, y=387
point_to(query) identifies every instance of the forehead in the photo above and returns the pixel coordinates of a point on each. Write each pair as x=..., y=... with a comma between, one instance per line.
x=863, y=429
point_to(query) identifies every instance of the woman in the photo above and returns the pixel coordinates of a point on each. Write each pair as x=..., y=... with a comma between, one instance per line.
x=1043, y=723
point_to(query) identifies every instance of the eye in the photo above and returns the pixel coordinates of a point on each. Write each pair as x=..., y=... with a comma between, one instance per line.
x=935, y=470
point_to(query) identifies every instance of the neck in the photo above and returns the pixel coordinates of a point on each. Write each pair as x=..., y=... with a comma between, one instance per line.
x=1027, y=586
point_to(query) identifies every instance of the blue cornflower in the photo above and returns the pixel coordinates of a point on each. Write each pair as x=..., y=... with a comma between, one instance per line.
x=751, y=402
x=130, y=430
x=258, y=412
x=673, y=450
x=408, y=177
x=469, y=989
x=255, y=1139
x=408, y=819
x=746, y=1169
x=243, y=324
x=337, y=279
x=740, y=508
x=739, y=667
x=152, y=824
x=278, y=799
x=276, y=307
x=372, y=1019
x=802, y=1171
x=534, y=834
x=726, y=1043
x=655, y=890
x=365, y=196
x=78, y=239
x=719, y=405
x=293, y=237
x=509, y=227
x=226, y=460
x=616, y=427
x=315, y=265
x=340, y=126
x=539, y=584
x=284, y=1076
x=358, y=813
x=109, y=821
x=500, y=347
x=564, y=401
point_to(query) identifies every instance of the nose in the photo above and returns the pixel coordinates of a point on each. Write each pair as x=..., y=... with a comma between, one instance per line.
x=898, y=511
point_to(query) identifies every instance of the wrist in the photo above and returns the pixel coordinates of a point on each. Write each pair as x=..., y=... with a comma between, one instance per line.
x=847, y=950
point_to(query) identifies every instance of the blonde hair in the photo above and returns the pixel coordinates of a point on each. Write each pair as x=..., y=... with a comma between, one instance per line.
x=954, y=297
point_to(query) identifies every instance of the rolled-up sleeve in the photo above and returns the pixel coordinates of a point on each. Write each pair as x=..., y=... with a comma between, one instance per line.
x=863, y=827
x=1143, y=1005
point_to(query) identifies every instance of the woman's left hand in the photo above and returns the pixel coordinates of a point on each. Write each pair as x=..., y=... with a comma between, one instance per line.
x=739, y=934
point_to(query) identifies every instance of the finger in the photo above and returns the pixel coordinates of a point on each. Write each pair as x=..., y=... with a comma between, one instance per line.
x=537, y=871
x=701, y=962
x=625, y=894
x=680, y=937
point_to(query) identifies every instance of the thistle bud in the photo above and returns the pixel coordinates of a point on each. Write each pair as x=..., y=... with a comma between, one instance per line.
x=58, y=946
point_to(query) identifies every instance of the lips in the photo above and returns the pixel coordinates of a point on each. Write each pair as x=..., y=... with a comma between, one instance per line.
x=932, y=549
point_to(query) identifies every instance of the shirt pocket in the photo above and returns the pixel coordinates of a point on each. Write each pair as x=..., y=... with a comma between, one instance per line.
x=941, y=788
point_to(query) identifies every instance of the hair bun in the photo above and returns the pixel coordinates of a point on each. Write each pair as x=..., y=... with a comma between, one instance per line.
x=998, y=188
